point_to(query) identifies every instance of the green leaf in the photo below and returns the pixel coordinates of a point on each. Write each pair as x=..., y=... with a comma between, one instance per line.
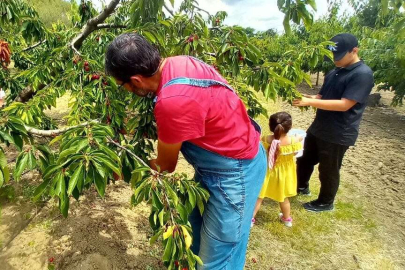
x=182, y=211
x=112, y=166
x=18, y=141
x=6, y=173
x=50, y=170
x=111, y=154
x=312, y=3
x=100, y=183
x=64, y=204
x=141, y=169
x=171, y=193
x=192, y=196
x=200, y=205
x=56, y=139
x=60, y=184
x=3, y=159
x=6, y=137
x=156, y=200
x=155, y=237
x=78, y=174
x=100, y=168
x=198, y=260
x=280, y=4
x=168, y=249
x=135, y=178
x=66, y=153
x=32, y=163
x=41, y=189
x=149, y=36
x=21, y=165
x=140, y=188
x=161, y=217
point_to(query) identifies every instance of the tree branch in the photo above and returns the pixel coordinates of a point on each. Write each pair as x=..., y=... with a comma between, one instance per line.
x=110, y=26
x=200, y=9
x=168, y=9
x=26, y=94
x=55, y=132
x=92, y=24
x=211, y=54
x=34, y=46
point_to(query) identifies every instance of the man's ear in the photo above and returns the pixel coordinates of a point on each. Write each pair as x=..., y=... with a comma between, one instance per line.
x=355, y=50
x=136, y=79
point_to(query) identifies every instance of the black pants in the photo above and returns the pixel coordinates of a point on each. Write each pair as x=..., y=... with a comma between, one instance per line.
x=330, y=157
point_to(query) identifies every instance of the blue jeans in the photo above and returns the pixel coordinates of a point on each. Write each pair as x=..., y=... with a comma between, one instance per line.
x=221, y=235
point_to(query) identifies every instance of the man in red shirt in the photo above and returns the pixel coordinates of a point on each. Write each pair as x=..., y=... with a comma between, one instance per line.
x=199, y=114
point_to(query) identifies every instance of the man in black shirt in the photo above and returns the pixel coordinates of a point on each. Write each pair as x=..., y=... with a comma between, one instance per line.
x=340, y=103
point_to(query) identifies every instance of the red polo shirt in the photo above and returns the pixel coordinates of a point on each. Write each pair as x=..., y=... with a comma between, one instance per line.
x=212, y=118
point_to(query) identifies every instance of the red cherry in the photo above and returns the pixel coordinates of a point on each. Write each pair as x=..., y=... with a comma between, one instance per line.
x=51, y=260
x=87, y=68
x=75, y=61
x=123, y=131
x=241, y=58
x=176, y=263
x=95, y=77
x=105, y=82
x=184, y=268
x=97, y=38
x=86, y=64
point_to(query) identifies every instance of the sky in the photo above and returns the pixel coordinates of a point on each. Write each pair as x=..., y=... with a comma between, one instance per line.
x=258, y=14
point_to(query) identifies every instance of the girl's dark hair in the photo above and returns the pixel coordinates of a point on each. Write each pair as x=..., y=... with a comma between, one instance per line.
x=280, y=123
x=131, y=54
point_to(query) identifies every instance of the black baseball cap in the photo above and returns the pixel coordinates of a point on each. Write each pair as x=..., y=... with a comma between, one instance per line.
x=345, y=42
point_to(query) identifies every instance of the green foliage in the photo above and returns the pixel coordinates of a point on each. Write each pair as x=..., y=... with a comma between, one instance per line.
x=296, y=11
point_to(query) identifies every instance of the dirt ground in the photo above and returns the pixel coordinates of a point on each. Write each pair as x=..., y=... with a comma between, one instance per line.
x=108, y=234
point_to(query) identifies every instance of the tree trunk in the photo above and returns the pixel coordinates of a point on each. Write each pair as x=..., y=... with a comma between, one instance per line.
x=317, y=78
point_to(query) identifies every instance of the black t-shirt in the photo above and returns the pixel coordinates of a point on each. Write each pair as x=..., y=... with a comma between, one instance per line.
x=355, y=83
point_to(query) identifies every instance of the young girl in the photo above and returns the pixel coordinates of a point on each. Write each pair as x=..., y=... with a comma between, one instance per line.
x=281, y=178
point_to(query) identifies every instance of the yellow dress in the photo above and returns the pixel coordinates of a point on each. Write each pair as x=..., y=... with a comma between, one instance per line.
x=281, y=181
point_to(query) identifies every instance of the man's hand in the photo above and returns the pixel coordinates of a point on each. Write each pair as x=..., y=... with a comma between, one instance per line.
x=304, y=101
x=338, y=105
x=168, y=155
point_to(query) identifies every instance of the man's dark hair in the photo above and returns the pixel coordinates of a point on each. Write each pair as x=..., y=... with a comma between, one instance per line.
x=131, y=54
x=280, y=123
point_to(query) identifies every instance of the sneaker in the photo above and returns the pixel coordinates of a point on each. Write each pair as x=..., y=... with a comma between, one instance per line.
x=287, y=221
x=315, y=206
x=252, y=222
x=304, y=191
